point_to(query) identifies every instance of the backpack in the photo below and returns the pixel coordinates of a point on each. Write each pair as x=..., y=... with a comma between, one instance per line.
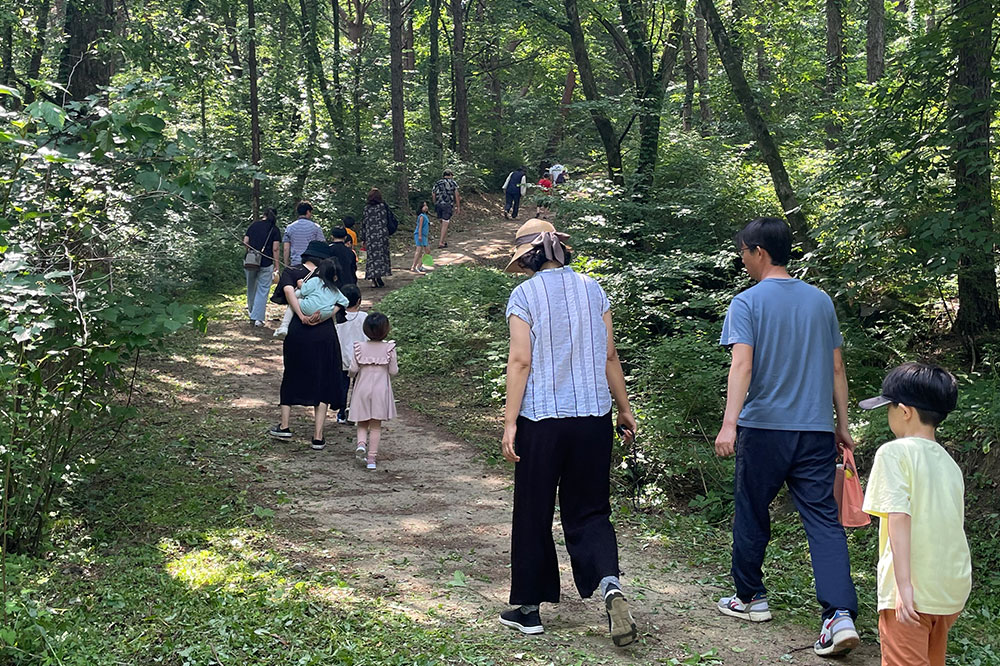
x=391, y=223
x=514, y=184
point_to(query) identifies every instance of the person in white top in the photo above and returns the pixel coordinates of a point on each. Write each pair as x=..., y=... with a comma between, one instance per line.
x=348, y=332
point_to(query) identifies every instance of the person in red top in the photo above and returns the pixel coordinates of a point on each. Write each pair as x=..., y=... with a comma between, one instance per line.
x=542, y=203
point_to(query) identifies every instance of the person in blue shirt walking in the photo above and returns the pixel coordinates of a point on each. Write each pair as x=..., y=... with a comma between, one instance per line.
x=421, y=235
x=786, y=383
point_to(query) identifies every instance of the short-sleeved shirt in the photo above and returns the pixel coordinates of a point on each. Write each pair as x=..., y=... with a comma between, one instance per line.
x=569, y=344
x=444, y=191
x=793, y=330
x=422, y=230
x=917, y=477
x=263, y=234
x=289, y=278
x=298, y=234
x=350, y=331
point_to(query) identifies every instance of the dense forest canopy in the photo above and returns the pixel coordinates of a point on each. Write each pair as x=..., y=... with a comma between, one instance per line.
x=139, y=137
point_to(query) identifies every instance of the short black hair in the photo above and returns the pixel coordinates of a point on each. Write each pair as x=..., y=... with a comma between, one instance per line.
x=348, y=222
x=533, y=260
x=376, y=326
x=352, y=293
x=932, y=386
x=338, y=232
x=770, y=233
x=303, y=208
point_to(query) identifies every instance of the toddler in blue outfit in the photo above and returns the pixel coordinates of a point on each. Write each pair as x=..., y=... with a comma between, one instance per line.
x=319, y=292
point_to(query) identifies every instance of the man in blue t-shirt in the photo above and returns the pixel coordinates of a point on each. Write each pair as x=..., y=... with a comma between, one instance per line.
x=786, y=384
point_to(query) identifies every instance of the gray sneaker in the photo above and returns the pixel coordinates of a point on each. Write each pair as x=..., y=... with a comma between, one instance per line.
x=838, y=636
x=620, y=623
x=756, y=610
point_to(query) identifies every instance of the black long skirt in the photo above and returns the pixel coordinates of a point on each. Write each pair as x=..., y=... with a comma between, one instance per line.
x=312, y=365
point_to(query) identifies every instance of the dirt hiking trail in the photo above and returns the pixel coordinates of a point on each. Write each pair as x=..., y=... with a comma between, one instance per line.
x=430, y=530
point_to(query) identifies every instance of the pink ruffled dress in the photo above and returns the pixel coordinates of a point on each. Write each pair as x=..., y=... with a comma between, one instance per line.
x=373, y=363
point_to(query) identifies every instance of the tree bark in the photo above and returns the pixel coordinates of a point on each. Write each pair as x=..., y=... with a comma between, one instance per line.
x=555, y=138
x=758, y=126
x=978, y=308
x=396, y=102
x=875, y=40
x=409, y=54
x=433, y=78
x=83, y=69
x=254, y=105
x=701, y=54
x=229, y=17
x=310, y=42
x=689, y=78
x=834, y=64
x=338, y=90
x=37, y=48
x=461, y=85
x=612, y=147
x=356, y=97
x=739, y=15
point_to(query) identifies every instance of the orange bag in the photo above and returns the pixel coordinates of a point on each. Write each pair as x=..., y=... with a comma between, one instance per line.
x=847, y=491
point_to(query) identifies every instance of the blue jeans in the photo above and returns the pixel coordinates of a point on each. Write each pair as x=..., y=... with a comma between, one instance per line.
x=807, y=463
x=258, y=285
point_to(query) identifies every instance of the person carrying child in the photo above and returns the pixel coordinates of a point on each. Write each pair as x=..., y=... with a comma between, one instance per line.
x=917, y=492
x=350, y=331
x=372, y=365
x=318, y=292
x=421, y=236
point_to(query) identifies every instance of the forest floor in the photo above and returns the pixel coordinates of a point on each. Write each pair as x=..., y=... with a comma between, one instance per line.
x=429, y=532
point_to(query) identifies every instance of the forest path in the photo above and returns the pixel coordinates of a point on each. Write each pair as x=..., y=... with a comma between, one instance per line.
x=430, y=530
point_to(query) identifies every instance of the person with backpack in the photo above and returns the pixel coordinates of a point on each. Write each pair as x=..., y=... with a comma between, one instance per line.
x=514, y=188
x=447, y=201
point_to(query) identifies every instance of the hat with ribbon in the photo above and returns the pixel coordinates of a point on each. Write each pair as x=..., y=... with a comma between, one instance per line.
x=536, y=233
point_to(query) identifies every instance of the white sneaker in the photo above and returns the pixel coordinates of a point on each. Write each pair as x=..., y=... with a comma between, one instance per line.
x=837, y=636
x=280, y=333
x=361, y=454
x=756, y=610
x=370, y=465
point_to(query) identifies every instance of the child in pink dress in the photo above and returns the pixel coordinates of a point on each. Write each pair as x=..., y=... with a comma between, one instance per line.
x=372, y=364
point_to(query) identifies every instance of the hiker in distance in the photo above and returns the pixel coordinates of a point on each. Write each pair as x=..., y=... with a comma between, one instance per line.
x=514, y=188
x=263, y=242
x=447, y=202
x=562, y=373
x=786, y=381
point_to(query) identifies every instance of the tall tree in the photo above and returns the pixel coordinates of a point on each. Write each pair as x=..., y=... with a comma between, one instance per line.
x=701, y=55
x=310, y=43
x=689, y=78
x=758, y=126
x=971, y=116
x=84, y=69
x=875, y=40
x=396, y=104
x=433, y=77
x=556, y=136
x=461, y=109
x=834, y=62
x=254, y=105
x=37, y=47
x=338, y=90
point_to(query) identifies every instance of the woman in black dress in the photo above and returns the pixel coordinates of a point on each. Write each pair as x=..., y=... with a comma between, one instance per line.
x=375, y=231
x=311, y=353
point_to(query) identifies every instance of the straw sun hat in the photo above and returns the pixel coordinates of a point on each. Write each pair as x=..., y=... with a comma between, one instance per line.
x=536, y=233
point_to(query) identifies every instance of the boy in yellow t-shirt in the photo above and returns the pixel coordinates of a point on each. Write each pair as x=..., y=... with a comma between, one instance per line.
x=917, y=492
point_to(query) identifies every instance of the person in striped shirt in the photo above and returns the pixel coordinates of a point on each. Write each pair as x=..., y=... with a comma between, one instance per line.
x=299, y=233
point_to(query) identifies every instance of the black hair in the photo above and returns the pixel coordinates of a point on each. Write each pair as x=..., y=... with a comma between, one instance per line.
x=931, y=385
x=271, y=215
x=348, y=222
x=770, y=233
x=303, y=208
x=376, y=326
x=352, y=293
x=326, y=271
x=338, y=232
x=533, y=260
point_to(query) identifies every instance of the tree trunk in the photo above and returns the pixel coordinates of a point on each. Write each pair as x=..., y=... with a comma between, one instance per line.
x=338, y=90
x=461, y=85
x=701, y=54
x=978, y=308
x=739, y=16
x=254, y=106
x=7, y=56
x=409, y=54
x=396, y=103
x=875, y=45
x=433, y=76
x=612, y=147
x=356, y=98
x=763, y=66
x=689, y=78
x=37, y=48
x=758, y=127
x=555, y=138
x=834, y=64
x=309, y=151
x=83, y=69
x=229, y=16
x=310, y=42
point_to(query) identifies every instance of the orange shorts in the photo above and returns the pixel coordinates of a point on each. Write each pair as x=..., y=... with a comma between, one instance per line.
x=906, y=645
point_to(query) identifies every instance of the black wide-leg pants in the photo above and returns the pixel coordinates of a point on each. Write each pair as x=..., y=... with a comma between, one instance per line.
x=573, y=454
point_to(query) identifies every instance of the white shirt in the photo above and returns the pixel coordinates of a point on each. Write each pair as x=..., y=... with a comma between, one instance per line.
x=348, y=333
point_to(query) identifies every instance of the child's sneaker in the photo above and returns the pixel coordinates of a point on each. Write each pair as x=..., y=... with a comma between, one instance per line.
x=361, y=454
x=838, y=636
x=280, y=333
x=756, y=610
x=370, y=465
x=279, y=432
x=620, y=622
x=526, y=623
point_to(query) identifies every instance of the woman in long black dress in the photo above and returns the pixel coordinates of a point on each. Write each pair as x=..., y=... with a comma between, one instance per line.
x=311, y=353
x=375, y=231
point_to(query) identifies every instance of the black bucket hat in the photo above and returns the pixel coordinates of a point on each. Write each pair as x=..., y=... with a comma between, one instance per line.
x=317, y=250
